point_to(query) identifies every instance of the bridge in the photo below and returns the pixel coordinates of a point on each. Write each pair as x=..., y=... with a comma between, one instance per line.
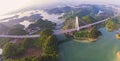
x=56, y=32
x=79, y=28
x=19, y=36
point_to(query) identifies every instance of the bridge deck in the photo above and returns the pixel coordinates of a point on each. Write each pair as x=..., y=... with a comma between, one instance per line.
x=19, y=36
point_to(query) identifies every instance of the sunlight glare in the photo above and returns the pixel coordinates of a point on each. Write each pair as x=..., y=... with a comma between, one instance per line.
x=10, y=5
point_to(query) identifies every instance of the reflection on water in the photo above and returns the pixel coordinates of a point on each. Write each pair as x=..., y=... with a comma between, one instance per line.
x=104, y=49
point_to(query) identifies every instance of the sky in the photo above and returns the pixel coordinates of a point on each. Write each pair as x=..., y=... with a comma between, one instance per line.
x=11, y=5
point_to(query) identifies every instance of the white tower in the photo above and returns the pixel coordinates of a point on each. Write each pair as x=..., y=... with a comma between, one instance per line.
x=77, y=24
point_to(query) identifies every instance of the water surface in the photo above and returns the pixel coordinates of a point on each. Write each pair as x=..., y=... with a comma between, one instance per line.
x=104, y=49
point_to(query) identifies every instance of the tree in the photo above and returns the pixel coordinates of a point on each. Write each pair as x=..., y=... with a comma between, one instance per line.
x=19, y=26
x=10, y=50
x=94, y=33
x=88, y=19
x=47, y=42
x=17, y=31
x=50, y=45
x=110, y=25
x=49, y=58
x=27, y=43
x=85, y=34
x=42, y=38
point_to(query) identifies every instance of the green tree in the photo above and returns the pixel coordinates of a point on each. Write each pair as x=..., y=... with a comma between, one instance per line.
x=17, y=31
x=42, y=38
x=50, y=45
x=88, y=19
x=28, y=43
x=10, y=50
x=94, y=33
x=110, y=25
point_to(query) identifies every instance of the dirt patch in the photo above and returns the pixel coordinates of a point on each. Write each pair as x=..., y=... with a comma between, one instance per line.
x=19, y=41
x=29, y=52
x=32, y=52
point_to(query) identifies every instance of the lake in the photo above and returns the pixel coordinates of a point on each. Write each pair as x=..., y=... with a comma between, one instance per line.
x=104, y=49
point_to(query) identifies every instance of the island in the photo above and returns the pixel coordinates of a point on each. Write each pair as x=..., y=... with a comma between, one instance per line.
x=87, y=35
x=117, y=35
x=118, y=55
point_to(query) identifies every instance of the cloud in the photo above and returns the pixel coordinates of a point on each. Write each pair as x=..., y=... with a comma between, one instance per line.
x=21, y=17
x=92, y=1
x=42, y=2
x=10, y=5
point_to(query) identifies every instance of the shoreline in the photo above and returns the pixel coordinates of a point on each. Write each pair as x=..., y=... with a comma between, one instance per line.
x=85, y=40
x=88, y=40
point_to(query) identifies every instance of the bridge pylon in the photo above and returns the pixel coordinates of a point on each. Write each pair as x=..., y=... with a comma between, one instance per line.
x=77, y=24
